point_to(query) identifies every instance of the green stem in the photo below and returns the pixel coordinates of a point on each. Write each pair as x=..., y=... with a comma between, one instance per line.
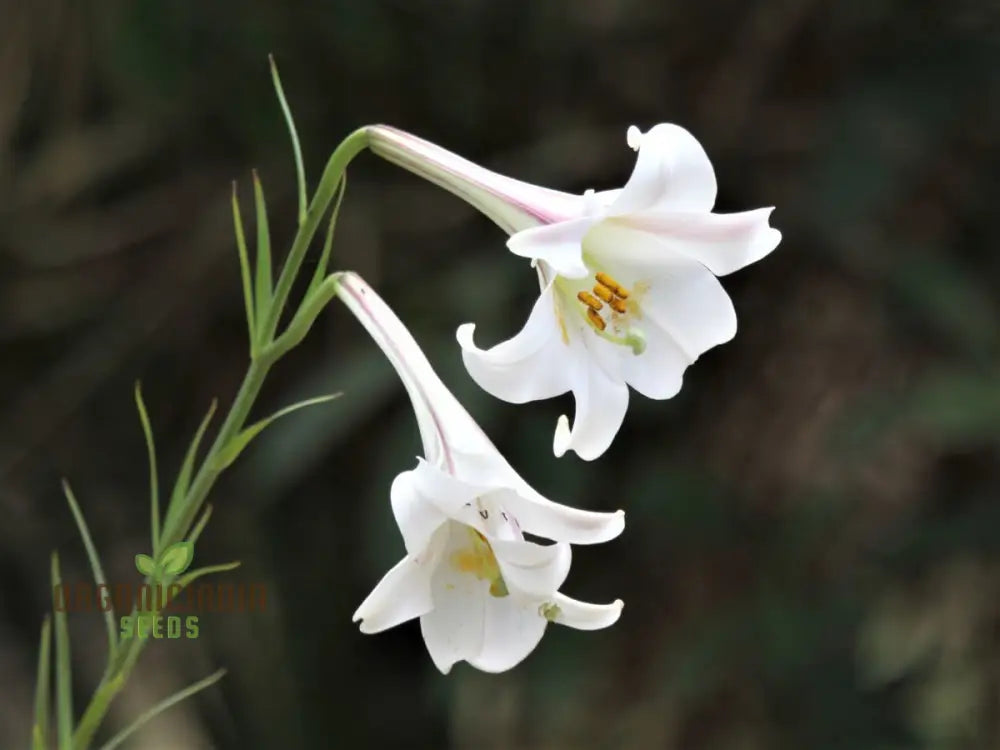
x=179, y=523
x=350, y=147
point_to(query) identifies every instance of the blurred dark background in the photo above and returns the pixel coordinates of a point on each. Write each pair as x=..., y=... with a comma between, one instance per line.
x=812, y=556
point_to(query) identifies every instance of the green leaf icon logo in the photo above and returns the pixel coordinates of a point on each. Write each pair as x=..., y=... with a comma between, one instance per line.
x=177, y=558
x=145, y=564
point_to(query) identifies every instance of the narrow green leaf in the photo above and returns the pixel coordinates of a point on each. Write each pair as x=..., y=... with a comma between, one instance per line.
x=324, y=258
x=241, y=246
x=64, y=674
x=146, y=716
x=194, y=575
x=154, y=483
x=234, y=447
x=187, y=468
x=264, y=286
x=95, y=567
x=300, y=172
x=177, y=558
x=200, y=526
x=43, y=688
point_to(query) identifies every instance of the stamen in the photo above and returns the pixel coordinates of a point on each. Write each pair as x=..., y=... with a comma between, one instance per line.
x=550, y=611
x=589, y=300
x=596, y=320
x=618, y=305
x=603, y=292
x=636, y=339
x=611, y=284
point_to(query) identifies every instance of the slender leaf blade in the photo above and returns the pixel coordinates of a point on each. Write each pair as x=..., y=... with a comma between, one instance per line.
x=95, y=567
x=154, y=483
x=241, y=247
x=264, y=285
x=187, y=468
x=64, y=674
x=194, y=575
x=43, y=689
x=200, y=526
x=146, y=716
x=231, y=451
x=324, y=258
x=300, y=172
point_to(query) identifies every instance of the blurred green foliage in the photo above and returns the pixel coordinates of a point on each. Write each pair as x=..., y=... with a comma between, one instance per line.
x=811, y=557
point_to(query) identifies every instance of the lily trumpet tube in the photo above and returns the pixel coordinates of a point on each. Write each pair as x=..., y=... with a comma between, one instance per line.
x=629, y=294
x=484, y=594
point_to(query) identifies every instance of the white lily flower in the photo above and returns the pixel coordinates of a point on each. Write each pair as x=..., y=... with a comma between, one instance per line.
x=483, y=593
x=629, y=294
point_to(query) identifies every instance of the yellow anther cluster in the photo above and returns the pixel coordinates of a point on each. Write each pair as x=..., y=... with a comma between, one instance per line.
x=608, y=291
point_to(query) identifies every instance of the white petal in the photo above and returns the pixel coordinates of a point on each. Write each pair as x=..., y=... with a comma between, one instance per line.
x=586, y=616
x=672, y=172
x=722, y=242
x=402, y=594
x=450, y=495
x=416, y=517
x=453, y=630
x=536, y=514
x=683, y=297
x=528, y=367
x=658, y=372
x=556, y=244
x=512, y=204
x=513, y=628
x=601, y=404
x=563, y=523
x=535, y=569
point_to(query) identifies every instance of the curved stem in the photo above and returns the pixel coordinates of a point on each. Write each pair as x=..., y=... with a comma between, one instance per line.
x=350, y=147
x=179, y=523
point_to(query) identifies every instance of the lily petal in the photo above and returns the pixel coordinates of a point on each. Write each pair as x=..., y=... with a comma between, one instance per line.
x=658, y=373
x=672, y=172
x=558, y=245
x=601, y=404
x=531, y=568
x=722, y=242
x=527, y=367
x=513, y=628
x=684, y=298
x=586, y=616
x=417, y=519
x=454, y=629
x=402, y=594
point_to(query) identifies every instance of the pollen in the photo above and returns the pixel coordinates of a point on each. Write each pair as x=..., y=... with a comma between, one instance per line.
x=589, y=300
x=610, y=283
x=596, y=319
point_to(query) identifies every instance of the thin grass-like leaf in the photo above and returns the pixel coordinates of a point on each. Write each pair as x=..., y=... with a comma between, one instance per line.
x=264, y=286
x=187, y=468
x=241, y=247
x=200, y=526
x=146, y=716
x=95, y=567
x=194, y=575
x=234, y=447
x=154, y=482
x=43, y=689
x=300, y=172
x=324, y=258
x=64, y=674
